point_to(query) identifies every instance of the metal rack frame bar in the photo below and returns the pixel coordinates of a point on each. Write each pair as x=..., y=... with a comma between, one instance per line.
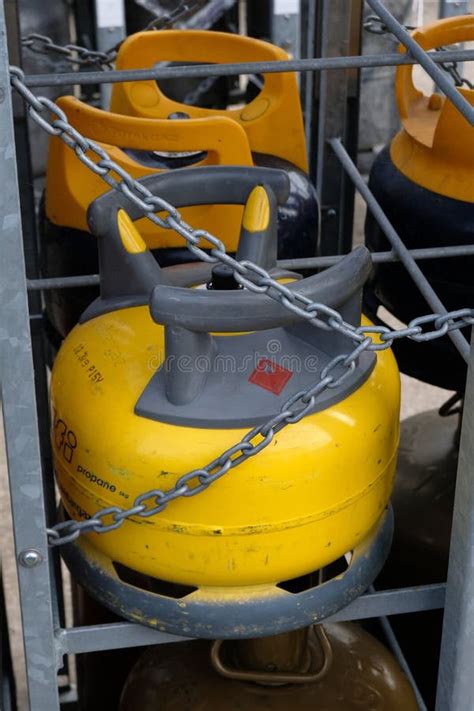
x=336, y=114
x=117, y=635
x=20, y=420
x=424, y=59
x=409, y=263
x=223, y=70
x=455, y=679
x=461, y=250
x=45, y=642
x=308, y=12
x=452, y=8
x=392, y=642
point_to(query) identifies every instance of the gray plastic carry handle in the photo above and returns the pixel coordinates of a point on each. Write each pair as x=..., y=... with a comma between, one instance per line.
x=125, y=278
x=185, y=187
x=201, y=311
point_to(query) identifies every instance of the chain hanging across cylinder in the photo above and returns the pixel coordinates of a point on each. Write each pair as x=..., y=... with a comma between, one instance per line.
x=85, y=57
x=311, y=489
x=256, y=279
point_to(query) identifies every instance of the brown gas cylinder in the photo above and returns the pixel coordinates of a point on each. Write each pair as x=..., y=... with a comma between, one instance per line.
x=338, y=666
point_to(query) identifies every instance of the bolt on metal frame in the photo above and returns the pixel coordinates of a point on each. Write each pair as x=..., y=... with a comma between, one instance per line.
x=46, y=641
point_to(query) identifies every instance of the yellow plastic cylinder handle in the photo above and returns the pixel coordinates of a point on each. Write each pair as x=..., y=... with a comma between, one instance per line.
x=272, y=121
x=438, y=34
x=435, y=148
x=72, y=186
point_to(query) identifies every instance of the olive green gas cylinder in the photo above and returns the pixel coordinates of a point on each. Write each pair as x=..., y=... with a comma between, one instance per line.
x=338, y=666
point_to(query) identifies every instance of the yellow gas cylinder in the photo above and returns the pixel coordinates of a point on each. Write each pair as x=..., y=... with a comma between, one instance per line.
x=273, y=120
x=268, y=131
x=140, y=147
x=338, y=667
x=159, y=379
x=424, y=181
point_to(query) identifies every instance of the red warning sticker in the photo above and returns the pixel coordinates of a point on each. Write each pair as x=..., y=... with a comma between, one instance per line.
x=270, y=376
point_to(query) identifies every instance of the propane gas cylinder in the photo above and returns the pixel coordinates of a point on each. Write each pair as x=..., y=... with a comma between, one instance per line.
x=338, y=666
x=423, y=500
x=424, y=181
x=145, y=136
x=159, y=378
x=273, y=120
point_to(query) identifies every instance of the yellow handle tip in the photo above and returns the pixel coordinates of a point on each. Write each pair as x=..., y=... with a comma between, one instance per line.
x=257, y=211
x=130, y=236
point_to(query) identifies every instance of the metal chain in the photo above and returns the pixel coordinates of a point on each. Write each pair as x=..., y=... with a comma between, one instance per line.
x=452, y=69
x=376, y=26
x=192, y=98
x=179, y=13
x=82, y=56
x=72, y=53
x=250, y=276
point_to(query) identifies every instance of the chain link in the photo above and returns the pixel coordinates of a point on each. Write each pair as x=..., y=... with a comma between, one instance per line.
x=252, y=277
x=192, y=98
x=83, y=56
x=72, y=53
x=452, y=69
x=179, y=13
x=376, y=26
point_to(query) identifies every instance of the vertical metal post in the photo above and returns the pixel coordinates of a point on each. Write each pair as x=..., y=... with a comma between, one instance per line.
x=20, y=420
x=340, y=25
x=452, y=8
x=456, y=679
x=30, y=247
x=286, y=26
x=110, y=22
x=308, y=11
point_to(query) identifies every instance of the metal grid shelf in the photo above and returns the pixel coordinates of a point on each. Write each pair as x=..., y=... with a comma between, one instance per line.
x=46, y=638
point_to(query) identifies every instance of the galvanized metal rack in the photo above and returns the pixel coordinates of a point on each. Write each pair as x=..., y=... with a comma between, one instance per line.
x=331, y=93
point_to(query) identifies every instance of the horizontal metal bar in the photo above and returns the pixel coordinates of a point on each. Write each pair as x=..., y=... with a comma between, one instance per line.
x=393, y=602
x=222, y=70
x=380, y=257
x=397, y=243
x=440, y=77
x=118, y=635
x=63, y=282
x=303, y=263
x=115, y=635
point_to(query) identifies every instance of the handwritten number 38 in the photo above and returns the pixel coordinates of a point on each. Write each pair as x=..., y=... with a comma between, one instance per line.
x=65, y=440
